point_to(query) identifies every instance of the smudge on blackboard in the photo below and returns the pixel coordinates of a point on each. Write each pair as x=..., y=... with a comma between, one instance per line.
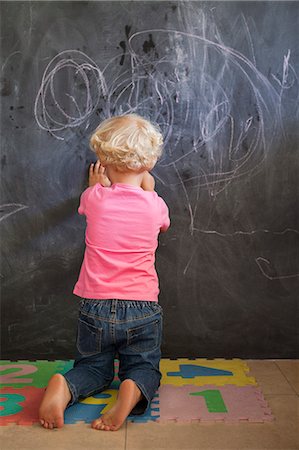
x=5, y=87
x=148, y=45
x=127, y=30
x=123, y=46
x=3, y=161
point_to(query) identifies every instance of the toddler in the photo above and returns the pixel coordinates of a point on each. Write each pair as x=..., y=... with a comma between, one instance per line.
x=119, y=314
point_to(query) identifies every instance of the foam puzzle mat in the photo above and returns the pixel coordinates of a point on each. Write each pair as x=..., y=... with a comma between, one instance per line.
x=192, y=390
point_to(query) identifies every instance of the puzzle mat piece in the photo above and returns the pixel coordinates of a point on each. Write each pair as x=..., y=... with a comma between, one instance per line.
x=93, y=407
x=151, y=414
x=90, y=408
x=211, y=403
x=201, y=371
x=20, y=406
x=19, y=374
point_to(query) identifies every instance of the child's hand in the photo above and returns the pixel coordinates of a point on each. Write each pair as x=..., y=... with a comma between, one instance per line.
x=97, y=175
x=148, y=182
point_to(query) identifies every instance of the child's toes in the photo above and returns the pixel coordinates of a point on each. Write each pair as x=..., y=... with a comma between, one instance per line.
x=59, y=422
x=97, y=424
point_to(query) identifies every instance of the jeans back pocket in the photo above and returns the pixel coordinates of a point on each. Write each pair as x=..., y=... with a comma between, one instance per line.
x=144, y=338
x=89, y=337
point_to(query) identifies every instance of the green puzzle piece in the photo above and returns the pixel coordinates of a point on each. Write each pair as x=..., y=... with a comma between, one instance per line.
x=19, y=374
x=10, y=404
x=214, y=400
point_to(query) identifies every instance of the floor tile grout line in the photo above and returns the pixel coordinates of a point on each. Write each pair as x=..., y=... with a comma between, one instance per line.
x=268, y=395
x=286, y=378
x=259, y=385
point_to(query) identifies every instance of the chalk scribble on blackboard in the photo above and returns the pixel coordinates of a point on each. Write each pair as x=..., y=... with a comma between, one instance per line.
x=287, y=230
x=88, y=87
x=219, y=114
x=192, y=76
x=268, y=267
x=8, y=209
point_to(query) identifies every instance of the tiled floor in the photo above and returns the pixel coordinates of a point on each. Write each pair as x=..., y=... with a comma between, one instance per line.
x=279, y=380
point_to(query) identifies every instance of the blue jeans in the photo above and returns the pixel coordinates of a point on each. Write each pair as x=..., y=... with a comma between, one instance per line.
x=127, y=329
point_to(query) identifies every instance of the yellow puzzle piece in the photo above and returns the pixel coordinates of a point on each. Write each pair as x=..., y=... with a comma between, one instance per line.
x=108, y=401
x=183, y=371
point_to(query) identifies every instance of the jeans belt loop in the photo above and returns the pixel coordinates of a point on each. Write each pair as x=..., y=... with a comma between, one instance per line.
x=113, y=305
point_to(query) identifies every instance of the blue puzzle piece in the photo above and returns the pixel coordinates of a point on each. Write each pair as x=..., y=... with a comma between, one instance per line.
x=84, y=412
x=194, y=370
x=145, y=417
x=88, y=413
x=148, y=416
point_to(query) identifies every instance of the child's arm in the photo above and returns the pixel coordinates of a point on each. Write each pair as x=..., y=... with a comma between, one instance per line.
x=97, y=175
x=148, y=182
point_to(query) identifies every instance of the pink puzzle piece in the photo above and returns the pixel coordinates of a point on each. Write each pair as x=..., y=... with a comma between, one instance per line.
x=20, y=406
x=237, y=403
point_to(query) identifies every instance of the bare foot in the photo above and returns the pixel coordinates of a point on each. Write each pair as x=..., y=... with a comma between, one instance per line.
x=54, y=402
x=128, y=396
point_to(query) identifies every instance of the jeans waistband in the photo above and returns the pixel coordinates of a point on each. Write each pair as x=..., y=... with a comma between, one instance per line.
x=113, y=303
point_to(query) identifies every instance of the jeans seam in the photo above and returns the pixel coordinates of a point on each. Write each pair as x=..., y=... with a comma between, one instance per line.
x=141, y=350
x=72, y=390
x=94, y=316
x=98, y=339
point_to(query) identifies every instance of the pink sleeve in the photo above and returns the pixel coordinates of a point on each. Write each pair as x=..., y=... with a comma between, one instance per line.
x=83, y=200
x=165, y=221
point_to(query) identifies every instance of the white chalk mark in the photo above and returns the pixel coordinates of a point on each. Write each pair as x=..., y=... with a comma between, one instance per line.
x=249, y=39
x=8, y=58
x=286, y=82
x=189, y=262
x=188, y=201
x=287, y=230
x=268, y=266
x=8, y=209
x=165, y=86
x=56, y=118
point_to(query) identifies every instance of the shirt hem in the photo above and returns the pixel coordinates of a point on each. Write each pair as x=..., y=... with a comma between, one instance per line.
x=112, y=295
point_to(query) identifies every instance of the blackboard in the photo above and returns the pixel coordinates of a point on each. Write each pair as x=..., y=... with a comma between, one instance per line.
x=221, y=80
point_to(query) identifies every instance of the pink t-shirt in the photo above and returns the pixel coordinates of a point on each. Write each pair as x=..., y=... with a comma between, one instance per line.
x=123, y=224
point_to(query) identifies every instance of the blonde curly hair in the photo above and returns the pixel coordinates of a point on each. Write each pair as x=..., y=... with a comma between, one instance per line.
x=128, y=142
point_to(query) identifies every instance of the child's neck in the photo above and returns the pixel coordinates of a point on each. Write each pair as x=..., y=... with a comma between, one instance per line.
x=129, y=177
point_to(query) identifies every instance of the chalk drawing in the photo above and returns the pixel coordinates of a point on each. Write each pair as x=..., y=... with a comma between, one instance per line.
x=203, y=96
x=86, y=73
x=167, y=85
x=268, y=267
x=8, y=209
